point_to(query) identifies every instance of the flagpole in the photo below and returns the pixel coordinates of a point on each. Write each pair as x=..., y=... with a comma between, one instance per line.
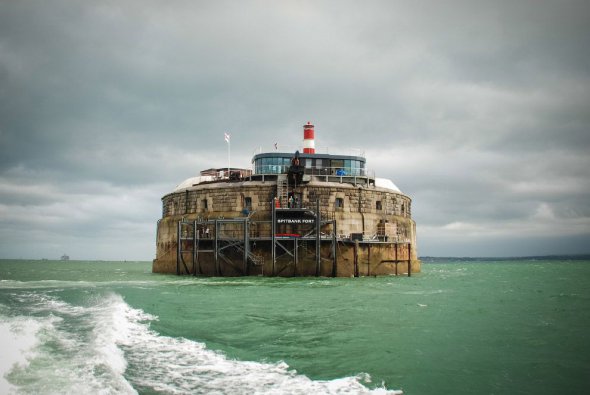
x=227, y=138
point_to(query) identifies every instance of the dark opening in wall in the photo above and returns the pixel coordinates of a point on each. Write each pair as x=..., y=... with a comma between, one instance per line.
x=248, y=202
x=204, y=204
x=378, y=205
x=339, y=203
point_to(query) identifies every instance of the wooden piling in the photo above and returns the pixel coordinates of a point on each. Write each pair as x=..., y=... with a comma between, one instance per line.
x=356, y=258
x=409, y=259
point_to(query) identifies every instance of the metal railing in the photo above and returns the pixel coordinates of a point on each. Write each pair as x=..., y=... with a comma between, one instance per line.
x=318, y=150
x=317, y=171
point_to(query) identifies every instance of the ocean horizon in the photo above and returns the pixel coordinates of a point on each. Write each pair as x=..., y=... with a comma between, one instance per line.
x=426, y=258
x=462, y=325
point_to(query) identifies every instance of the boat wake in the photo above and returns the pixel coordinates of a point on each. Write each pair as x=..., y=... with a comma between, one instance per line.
x=108, y=347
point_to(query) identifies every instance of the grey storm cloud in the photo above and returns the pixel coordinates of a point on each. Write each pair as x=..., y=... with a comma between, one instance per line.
x=478, y=110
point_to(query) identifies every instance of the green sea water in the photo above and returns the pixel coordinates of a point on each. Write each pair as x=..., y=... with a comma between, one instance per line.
x=459, y=327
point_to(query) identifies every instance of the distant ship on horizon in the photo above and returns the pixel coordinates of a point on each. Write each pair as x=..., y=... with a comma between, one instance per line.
x=65, y=257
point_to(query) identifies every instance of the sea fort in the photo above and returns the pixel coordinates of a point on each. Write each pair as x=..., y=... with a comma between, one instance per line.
x=290, y=214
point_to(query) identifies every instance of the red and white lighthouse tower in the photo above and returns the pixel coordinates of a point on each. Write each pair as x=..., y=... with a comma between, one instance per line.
x=308, y=139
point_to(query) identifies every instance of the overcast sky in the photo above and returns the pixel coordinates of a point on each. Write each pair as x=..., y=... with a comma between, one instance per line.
x=478, y=110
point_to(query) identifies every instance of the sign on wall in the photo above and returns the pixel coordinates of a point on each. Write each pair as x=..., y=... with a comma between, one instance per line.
x=295, y=217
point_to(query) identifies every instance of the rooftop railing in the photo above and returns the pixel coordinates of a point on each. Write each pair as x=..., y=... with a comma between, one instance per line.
x=317, y=171
x=318, y=150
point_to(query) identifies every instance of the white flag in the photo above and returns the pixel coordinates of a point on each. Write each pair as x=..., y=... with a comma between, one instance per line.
x=226, y=136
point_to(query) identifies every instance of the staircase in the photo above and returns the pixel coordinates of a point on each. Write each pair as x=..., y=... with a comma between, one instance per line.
x=257, y=260
x=186, y=232
x=327, y=215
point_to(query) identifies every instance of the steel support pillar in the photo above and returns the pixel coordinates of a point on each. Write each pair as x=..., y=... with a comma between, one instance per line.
x=178, y=247
x=334, y=260
x=295, y=256
x=246, y=244
x=318, y=228
x=216, y=248
x=273, y=237
x=409, y=259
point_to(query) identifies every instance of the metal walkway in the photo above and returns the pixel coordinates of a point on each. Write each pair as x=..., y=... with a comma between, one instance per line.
x=232, y=243
x=224, y=237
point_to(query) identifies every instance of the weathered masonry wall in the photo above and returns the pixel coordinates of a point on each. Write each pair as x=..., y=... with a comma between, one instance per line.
x=371, y=260
x=210, y=199
x=231, y=197
x=367, y=210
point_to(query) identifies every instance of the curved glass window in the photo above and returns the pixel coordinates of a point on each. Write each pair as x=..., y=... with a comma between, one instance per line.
x=331, y=165
x=272, y=165
x=356, y=168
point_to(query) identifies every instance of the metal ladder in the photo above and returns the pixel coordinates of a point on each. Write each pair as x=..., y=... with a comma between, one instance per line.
x=283, y=189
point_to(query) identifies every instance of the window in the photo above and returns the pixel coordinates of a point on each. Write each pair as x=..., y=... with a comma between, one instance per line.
x=348, y=166
x=339, y=203
x=378, y=206
x=204, y=203
x=336, y=164
x=266, y=165
x=248, y=202
x=272, y=165
x=356, y=168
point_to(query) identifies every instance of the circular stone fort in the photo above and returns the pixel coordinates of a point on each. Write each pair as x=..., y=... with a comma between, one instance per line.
x=292, y=214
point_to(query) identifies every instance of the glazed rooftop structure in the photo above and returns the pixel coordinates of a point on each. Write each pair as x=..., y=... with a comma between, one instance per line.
x=292, y=214
x=315, y=164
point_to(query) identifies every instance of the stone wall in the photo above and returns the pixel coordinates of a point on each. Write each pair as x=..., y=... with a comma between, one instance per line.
x=217, y=198
x=355, y=209
x=371, y=260
x=230, y=197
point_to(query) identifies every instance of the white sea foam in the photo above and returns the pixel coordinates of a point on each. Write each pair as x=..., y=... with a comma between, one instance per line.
x=18, y=338
x=108, y=347
x=178, y=365
x=73, y=354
